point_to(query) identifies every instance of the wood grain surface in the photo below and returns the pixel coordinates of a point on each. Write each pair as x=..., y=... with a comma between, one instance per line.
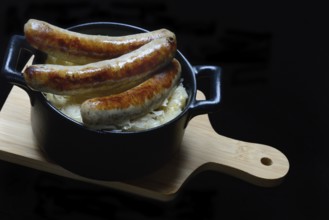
x=202, y=149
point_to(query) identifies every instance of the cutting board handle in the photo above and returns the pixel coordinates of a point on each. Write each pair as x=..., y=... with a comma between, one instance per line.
x=255, y=163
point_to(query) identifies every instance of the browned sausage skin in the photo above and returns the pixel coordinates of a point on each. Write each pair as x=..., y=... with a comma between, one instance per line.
x=117, y=109
x=83, y=48
x=129, y=75
x=110, y=76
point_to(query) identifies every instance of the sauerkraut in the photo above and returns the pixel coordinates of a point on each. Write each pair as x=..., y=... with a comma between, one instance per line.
x=169, y=109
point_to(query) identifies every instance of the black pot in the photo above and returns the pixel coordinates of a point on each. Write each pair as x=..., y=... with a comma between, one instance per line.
x=104, y=154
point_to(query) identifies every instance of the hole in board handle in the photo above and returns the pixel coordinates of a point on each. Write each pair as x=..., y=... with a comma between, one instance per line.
x=266, y=161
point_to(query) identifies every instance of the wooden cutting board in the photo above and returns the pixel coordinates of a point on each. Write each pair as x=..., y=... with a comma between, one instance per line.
x=202, y=149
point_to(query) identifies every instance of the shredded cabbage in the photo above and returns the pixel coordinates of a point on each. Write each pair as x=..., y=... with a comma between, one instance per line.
x=169, y=109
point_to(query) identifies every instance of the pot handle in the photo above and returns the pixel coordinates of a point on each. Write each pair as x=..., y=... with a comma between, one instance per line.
x=208, y=81
x=16, y=56
x=18, y=53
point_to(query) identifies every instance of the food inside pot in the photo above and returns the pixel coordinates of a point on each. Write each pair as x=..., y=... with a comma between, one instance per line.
x=127, y=83
x=169, y=109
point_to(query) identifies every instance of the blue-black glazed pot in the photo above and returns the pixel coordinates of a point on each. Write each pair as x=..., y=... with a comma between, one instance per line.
x=105, y=154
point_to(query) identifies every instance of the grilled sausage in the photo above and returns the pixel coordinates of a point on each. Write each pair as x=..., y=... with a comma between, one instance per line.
x=83, y=48
x=110, y=76
x=133, y=103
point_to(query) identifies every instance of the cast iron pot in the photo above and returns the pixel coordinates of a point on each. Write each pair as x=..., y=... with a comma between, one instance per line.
x=105, y=154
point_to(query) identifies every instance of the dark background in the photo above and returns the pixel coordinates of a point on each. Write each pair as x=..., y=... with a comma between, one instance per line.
x=274, y=58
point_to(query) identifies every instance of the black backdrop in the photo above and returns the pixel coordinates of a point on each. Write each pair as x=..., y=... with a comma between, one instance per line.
x=275, y=60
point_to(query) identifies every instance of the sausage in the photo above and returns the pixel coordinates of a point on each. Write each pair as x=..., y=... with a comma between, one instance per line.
x=138, y=101
x=83, y=48
x=109, y=76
